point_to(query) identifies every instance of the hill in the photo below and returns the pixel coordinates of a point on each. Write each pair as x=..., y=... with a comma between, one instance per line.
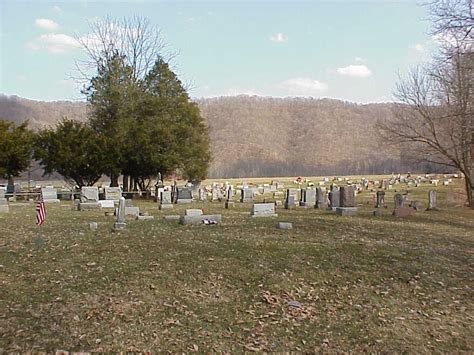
x=257, y=136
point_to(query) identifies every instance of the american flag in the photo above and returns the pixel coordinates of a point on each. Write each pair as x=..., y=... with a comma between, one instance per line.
x=40, y=212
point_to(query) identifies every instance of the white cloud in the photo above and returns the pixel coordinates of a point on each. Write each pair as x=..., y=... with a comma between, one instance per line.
x=418, y=47
x=21, y=78
x=32, y=45
x=302, y=87
x=356, y=71
x=279, y=38
x=359, y=60
x=58, y=43
x=46, y=24
x=56, y=9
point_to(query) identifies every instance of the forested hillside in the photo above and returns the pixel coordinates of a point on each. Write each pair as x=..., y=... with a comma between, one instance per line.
x=255, y=136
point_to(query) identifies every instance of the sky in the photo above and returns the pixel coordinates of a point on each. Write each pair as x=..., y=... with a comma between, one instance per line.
x=348, y=50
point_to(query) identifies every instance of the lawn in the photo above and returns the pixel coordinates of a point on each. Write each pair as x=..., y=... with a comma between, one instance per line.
x=362, y=283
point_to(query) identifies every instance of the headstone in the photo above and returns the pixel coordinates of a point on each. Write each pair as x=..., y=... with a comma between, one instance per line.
x=229, y=203
x=184, y=195
x=308, y=198
x=201, y=219
x=398, y=200
x=334, y=197
x=215, y=194
x=291, y=198
x=321, y=201
x=132, y=211
x=106, y=204
x=202, y=194
x=284, y=225
x=380, y=199
x=165, y=200
x=112, y=193
x=4, y=207
x=432, y=201
x=403, y=211
x=89, y=194
x=93, y=226
x=49, y=195
x=120, y=221
x=346, y=196
x=346, y=211
x=266, y=189
x=247, y=195
x=144, y=218
x=263, y=210
x=193, y=212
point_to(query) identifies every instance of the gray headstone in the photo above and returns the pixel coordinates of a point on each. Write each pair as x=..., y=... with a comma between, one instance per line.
x=49, y=194
x=165, y=198
x=202, y=194
x=334, y=199
x=284, y=225
x=432, y=200
x=380, y=199
x=112, y=193
x=263, y=210
x=89, y=194
x=184, y=195
x=346, y=196
x=308, y=197
x=193, y=212
x=247, y=195
x=399, y=200
x=346, y=211
x=196, y=220
x=215, y=194
x=321, y=200
x=120, y=221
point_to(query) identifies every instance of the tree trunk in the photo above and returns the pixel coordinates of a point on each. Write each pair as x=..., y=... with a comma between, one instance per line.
x=469, y=191
x=131, y=183
x=114, y=180
x=125, y=183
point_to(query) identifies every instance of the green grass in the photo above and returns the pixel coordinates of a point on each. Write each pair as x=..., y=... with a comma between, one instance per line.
x=363, y=283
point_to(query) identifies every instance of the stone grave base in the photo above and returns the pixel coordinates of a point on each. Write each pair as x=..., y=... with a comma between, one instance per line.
x=120, y=225
x=51, y=201
x=346, y=211
x=182, y=201
x=88, y=206
x=132, y=211
x=144, y=218
x=196, y=220
x=265, y=215
x=306, y=204
x=284, y=225
x=403, y=212
x=165, y=206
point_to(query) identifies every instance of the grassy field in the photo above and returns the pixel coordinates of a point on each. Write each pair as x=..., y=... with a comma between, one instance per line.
x=332, y=283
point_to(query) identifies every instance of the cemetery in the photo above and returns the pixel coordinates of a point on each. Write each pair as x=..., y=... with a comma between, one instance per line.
x=368, y=263
x=156, y=177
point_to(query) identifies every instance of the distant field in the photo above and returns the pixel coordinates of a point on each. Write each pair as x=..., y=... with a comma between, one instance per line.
x=363, y=283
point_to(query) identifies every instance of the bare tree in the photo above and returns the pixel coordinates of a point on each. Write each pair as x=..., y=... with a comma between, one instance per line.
x=435, y=113
x=134, y=39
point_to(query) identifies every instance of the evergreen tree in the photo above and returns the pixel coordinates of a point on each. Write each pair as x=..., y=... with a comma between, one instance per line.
x=112, y=95
x=73, y=150
x=15, y=149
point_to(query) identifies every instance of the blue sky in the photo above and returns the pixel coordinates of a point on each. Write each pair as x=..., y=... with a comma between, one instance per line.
x=349, y=50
